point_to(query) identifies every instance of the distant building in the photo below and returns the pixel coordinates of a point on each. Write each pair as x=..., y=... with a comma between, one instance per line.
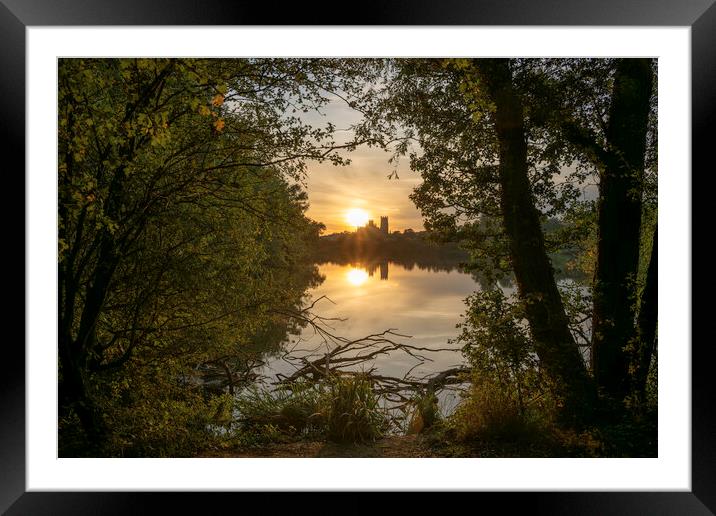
x=371, y=227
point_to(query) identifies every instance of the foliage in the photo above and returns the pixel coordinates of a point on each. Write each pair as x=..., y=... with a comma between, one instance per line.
x=633, y=435
x=183, y=241
x=508, y=392
x=437, y=113
x=649, y=222
x=576, y=117
x=354, y=414
x=181, y=231
x=151, y=414
x=425, y=413
x=652, y=384
x=510, y=396
x=510, y=400
x=465, y=118
x=497, y=344
x=490, y=413
x=576, y=237
x=341, y=409
x=613, y=132
x=409, y=249
x=296, y=410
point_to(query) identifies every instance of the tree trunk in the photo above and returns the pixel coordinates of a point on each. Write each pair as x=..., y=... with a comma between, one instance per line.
x=646, y=323
x=554, y=343
x=72, y=396
x=75, y=351
x=619, y=223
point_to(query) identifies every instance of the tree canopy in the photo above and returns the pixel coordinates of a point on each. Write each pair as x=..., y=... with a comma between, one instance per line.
x=182, y=227
x=502, y=144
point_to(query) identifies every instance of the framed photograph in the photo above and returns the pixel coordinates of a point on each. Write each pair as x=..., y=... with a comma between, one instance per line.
x=413, y=252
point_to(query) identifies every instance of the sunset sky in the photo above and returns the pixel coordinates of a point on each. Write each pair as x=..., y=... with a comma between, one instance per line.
x=364, y=184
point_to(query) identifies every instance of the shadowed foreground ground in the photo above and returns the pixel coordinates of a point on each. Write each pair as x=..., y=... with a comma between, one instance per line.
x=397, y=446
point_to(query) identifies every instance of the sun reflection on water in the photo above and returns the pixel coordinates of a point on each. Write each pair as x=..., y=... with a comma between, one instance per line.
x=356, y=277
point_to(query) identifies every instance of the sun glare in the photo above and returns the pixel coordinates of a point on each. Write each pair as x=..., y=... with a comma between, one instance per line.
x=357, y=217
x=356, y=277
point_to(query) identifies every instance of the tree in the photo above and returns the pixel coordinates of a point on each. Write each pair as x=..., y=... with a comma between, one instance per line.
x=646, y=323
x=544, y=310
x=614, y=131
x=469, y=121
x=181, y=223
x=503, y=144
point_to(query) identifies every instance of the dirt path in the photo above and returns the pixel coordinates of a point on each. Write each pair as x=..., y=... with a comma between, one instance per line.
x=398, y=446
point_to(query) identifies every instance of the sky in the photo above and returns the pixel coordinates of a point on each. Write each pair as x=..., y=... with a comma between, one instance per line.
x=364, y=184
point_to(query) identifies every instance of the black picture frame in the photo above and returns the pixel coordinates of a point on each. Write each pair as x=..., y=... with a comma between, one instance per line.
x=17, y=15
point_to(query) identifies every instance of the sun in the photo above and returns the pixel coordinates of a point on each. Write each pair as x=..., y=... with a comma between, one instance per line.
x=357, y=217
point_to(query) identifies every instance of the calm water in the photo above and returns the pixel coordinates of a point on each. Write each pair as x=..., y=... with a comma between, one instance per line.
x=424, y=304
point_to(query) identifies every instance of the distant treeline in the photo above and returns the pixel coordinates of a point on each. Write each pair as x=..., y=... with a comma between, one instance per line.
x=369, y=247
x=410, y=249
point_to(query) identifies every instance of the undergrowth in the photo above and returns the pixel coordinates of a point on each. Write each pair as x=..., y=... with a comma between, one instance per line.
x=341, y=409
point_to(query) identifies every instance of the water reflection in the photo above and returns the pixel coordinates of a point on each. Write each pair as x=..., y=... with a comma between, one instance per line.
x=371, y=267
x=364, y=299
x=357, y=277
x=370, y=298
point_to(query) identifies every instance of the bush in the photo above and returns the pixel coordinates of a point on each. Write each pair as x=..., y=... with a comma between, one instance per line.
x=425, y=413
x=497, y=344
x=343, y=410
x=354, y=414
x=147, y=412
x=491, y=413
x=291, y=410
x=507, y=382
x=167, y=428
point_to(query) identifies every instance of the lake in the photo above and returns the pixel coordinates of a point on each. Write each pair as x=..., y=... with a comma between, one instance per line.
x=425, y=304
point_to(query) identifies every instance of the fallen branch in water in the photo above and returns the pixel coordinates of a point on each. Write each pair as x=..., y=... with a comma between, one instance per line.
x=347, y=355
x=338, y=356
